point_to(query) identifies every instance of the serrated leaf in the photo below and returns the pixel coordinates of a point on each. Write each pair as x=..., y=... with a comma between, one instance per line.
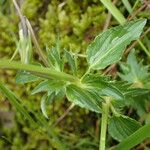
x=72, y=62
x=120, y=127
x=108, y=47
x=46, y=100
x=48, y=85
x=85, y=98
x=23, y=77
x=102, y=86
x=54, y=57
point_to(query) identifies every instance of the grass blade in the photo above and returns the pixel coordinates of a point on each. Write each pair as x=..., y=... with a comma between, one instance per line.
x=136, y=138
x=14, y=100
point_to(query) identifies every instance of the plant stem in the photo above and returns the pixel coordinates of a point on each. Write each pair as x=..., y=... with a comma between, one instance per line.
x=105, y=113
x=38, y=70
x=144, y=48
x=127, y=5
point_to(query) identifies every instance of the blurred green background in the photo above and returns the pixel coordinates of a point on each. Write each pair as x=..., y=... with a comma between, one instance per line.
x=77, y=23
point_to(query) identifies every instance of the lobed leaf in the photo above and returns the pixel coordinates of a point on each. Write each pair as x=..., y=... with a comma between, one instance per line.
x=134, y=72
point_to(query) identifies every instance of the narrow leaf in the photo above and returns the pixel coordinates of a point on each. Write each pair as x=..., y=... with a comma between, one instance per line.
x=14, y=100
x=54, y=58
x=23, y=77
x=108, y=47
x=46, y=100
x=72, y=62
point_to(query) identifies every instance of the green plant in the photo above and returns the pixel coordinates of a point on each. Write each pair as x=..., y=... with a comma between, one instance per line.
x=92, y=90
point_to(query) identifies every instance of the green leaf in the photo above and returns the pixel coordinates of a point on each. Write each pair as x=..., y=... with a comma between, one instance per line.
x=72, y=62
x=120, y=127
x=54, y=57
x=23, y=77
x=48, y=85
x=85, y=98
x=134, y=139
x=14, y=100
x=136, y=92
x=25, y=43
x=109, y=46
x=103, y=86
x=134, y=72
x=46, y=100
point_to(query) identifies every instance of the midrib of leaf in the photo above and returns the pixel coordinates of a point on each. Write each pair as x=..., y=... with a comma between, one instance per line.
x=99, y=52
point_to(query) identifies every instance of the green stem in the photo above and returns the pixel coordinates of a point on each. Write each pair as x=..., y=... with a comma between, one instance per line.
x=144, y=48
x=127, y=5
x=46, y=72
x=105, y=110
x=87, y=72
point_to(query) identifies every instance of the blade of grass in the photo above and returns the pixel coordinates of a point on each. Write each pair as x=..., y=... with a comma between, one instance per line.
x=114, y=11
x=135, y=139
x=127, y=5
x=13, y=99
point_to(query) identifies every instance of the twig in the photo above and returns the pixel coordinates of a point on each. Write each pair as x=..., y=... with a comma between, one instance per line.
x=109, y=69
x=18, y=9
x=108, y=19
x=136, y=12
x=38, y=49
x=64, y=114
x=141, y=146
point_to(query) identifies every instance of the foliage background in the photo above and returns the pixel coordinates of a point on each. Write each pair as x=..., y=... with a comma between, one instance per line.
x=77, y=23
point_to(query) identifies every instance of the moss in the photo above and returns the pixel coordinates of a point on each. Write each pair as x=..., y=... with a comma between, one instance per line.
x=30, y=8
x=72, y=21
